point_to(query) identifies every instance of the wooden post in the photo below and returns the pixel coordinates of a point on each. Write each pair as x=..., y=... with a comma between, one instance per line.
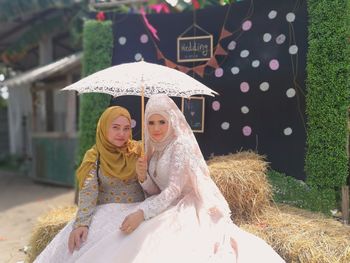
x=345, y=204
x=142, y=119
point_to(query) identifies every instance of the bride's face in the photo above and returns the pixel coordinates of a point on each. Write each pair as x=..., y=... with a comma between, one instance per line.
x=157, y=127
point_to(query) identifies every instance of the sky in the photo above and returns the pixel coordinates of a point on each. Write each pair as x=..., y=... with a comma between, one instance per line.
x=3, y=90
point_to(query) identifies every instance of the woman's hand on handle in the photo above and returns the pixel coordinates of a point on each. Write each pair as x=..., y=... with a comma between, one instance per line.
x=141, y=168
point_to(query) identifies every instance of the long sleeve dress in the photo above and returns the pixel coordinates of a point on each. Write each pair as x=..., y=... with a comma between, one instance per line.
x=187, y=235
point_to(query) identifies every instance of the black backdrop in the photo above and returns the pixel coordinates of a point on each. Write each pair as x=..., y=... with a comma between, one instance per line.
x=261, y=104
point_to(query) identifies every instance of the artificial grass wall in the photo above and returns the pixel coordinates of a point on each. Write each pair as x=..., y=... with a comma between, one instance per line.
x=98, y=47
x=327, y=99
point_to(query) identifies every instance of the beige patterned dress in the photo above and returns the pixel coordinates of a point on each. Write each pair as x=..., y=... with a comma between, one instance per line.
x=100, y=189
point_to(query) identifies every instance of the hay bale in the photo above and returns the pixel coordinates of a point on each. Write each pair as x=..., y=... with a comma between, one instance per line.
x=46, y=229
x=301, y=236
x=241, y=177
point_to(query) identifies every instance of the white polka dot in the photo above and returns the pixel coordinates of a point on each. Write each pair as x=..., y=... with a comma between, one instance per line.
x=274, y=64
x=2, y=77
x=280, y=39
x=122, y=40
x=287, y=131
x=272, y=14
x=247, y=130
x=264, y=86
x=290, y=93
x=247, y=25
x=231, y=45
x=138, y=56
x=144, y=38
x=216, y=105
x=219, y=72
x=267, y=37
x=244, y=109
x=133, y=123
x=255, y=63
x=244, y=53
x=290, y=17
x=244, y=87
x=293, y=49
x=235, y=70
x=225, y=125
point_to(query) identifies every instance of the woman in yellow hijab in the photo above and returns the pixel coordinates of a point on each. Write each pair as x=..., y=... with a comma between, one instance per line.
x=117, y=156
x=108, y=189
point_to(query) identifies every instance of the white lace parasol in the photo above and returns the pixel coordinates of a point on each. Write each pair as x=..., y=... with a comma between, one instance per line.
x=130, y=78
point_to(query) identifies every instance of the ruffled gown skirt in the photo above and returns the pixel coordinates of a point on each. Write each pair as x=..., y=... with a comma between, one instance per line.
x=174, y=236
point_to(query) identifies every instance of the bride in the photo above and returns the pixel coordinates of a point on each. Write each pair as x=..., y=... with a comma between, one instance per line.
x=185, y=217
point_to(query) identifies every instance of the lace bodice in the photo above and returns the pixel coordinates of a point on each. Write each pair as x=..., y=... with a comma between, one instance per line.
x=178, y=168
x=167, y=173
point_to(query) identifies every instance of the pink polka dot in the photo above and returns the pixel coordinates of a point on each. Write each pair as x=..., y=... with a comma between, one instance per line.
x=244, y=87
x=144, y=38
x=247, y=131
x=133, y=123
x=219, y=72
x=216, y=105
x=274, y=64
x=247, y=25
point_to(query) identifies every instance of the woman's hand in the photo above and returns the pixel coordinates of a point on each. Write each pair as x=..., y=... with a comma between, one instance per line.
x=132, y=221
x=141, y=168
x=77, y=237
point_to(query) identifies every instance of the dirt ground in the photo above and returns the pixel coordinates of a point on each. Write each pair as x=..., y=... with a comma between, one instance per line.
x=21, y=202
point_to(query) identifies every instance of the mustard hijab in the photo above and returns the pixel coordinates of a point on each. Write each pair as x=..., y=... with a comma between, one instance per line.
x=115, y=161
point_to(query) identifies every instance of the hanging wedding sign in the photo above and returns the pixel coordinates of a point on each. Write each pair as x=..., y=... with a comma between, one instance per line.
x=194, y=48
x=199, y=48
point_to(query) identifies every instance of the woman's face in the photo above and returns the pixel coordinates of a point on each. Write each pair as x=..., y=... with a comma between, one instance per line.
x=157, y=127
x=119, y=131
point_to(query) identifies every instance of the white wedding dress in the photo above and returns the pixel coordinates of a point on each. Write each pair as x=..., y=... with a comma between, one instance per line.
x=186, y=217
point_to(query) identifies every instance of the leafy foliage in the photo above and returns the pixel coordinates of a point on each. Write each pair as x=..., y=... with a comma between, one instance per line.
x=3, y=102
x=328, y=94
x=288, y=190
x=10, y=162
x=31, y=37
x=17, y=9
x=69, y=16
x=98, y=46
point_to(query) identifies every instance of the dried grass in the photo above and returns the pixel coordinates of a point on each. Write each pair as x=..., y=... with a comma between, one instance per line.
x=241, y=177
x=302, y=236
x=46, y=229
x=296, y=234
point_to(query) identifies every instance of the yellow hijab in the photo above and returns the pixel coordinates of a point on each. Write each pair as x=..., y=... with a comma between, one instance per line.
x=115, y=161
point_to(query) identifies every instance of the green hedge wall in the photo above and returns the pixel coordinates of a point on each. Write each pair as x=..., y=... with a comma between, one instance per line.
x=328, y=94
x=98, y=47
x=288, y=190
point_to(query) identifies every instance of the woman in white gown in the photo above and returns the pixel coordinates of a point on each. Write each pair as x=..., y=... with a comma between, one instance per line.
x=185, y=219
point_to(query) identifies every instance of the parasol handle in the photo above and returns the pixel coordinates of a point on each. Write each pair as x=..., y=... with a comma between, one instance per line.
x=142, y=120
